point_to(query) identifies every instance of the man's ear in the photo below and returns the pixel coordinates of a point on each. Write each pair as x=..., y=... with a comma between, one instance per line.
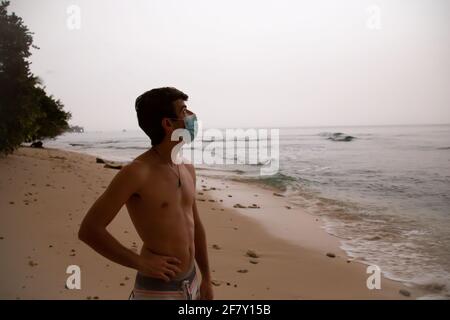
x=166, y=123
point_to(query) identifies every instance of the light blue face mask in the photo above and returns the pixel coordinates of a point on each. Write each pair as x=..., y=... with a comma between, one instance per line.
x=191, y=125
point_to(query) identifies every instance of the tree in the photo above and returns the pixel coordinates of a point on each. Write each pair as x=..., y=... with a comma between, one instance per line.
x=27, y=113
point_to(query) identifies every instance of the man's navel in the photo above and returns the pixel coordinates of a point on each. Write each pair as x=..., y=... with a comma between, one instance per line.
x=165, y=204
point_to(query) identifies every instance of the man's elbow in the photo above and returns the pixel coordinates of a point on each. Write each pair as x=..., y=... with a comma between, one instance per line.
x=83, y=233
x=86, y=233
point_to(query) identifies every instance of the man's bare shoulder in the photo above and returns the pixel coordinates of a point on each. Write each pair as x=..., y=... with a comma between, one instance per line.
x=138, y=167
x=138, y=170
x=190, y=168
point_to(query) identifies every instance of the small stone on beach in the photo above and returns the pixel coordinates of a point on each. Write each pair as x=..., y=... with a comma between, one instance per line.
x=216, y=283
x=404, y=292
x=331, y=255
x=252, y=254
x=31, y=263
x=278, y=194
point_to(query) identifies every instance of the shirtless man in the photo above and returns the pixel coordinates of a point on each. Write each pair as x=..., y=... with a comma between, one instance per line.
x=160, y=199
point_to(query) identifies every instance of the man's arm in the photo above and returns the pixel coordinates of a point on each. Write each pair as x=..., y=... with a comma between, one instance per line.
x=93, y=228
x=201, y=251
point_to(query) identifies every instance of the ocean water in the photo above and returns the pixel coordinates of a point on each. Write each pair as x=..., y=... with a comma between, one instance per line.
x=385, y=193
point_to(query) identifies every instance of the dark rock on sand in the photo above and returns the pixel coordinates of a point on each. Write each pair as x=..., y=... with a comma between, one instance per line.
x=99, y=160
x=331, y=255
x=278, y=194
x=216, y=283
x=404, y=292
x=37, y=144
x=31, y=263
x=252, y=254
x=112, y=165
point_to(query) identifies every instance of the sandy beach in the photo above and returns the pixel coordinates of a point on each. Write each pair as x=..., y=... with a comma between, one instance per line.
x=45, y=193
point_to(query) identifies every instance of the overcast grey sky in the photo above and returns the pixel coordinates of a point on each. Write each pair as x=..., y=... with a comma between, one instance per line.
x=247, y=62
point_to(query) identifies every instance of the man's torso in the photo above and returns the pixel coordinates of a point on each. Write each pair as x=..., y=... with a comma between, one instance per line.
x=162, y=211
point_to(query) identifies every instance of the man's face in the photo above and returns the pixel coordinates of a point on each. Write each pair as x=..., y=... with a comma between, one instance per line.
x=181, y=111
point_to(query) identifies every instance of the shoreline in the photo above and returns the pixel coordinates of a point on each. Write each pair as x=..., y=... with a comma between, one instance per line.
x=38, y=238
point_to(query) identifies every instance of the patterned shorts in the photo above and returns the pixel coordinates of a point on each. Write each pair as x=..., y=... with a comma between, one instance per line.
x=184, y=287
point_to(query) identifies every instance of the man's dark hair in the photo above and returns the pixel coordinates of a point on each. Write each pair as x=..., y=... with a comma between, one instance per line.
x=154, y=105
